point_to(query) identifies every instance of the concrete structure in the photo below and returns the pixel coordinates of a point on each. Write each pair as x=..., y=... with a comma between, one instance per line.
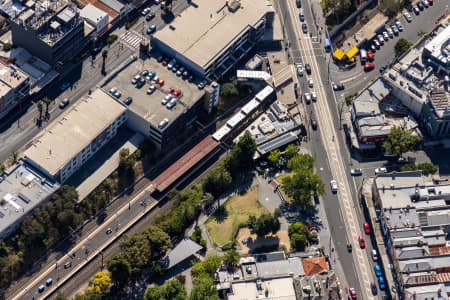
x=281, y=288
x=22, y=188
x=52, y=31
x=70, y=141
x=414, y=217
x=212, y=36
x=95, y=17
x=436, y=113
x=438, y=51
x=14, y=87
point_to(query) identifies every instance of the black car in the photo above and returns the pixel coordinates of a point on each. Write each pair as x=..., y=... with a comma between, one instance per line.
x=338, y=86
x=150, y=16
x=349, y=247
x=64, y=103
x=304, y=28
x=313, y=123
x=128, y=100
x=308, y=69
x=374, y=289
x=298, y=3
x=420, y=6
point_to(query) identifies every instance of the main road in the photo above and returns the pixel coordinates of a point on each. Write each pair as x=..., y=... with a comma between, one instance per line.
x=357, y=266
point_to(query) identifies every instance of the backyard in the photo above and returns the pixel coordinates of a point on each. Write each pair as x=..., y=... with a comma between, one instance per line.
x=222, y=226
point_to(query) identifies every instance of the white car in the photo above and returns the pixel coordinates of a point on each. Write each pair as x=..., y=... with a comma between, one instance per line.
x=310, y=83
x=385, y=36
x=307, y=97
x=381, y=170
x=380, y=39
x=390, y=32
x=314, y=96
x=299, y=69
x=407, y=17
x=399, y=25
x=334, y=186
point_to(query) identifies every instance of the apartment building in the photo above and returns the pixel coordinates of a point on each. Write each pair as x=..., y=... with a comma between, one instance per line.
x=14, y=88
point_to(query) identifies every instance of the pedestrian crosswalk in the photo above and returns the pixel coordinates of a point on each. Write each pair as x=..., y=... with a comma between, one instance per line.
x=132, y=39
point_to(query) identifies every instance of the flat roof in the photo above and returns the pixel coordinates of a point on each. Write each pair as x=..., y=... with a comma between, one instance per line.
x=10, y=78
x=219, y=134
x=185, y=163
x=277, y=142
x=205, y=30
x=75, y=130
x=21, y=190
x=281, y=288
x=92, y=13
x=236, y=119
x=149, y=107
x=264, y=93
x=289, y=267
x=251, y=74
x=250, y=106
x=437, y=46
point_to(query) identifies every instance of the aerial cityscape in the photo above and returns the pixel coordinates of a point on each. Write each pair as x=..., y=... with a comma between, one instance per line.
x=295, y=149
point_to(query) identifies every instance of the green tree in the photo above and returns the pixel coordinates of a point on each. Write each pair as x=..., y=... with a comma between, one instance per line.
x=2, y=168
x=204, y=289
x=46, y=102
x=208, y=199
x=120, y=269
x=229, y=90
x=391, y=7
x=264, y=224
x=217, y=181
x=291, y=151
x=100, y=283
x=241, y=157
x=136, y=248
x=408, y=167
x=40, y=108
x=402, y=46
x=274, y=157
x=301, y=161
x=159, y=242
x=208, y=266
x=231, y=259
x=299, y=235
x=111, y=39
x=427, y=168
x=7, y=46
x=171, y=290
x=301, y=186
x=400, y=141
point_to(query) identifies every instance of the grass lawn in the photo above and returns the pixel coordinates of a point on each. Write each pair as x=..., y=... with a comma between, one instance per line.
x=279, y=179
x=238, y=209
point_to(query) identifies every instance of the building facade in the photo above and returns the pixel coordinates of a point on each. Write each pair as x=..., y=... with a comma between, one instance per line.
x=14, y=88
x=435, y=114
x=54, y=31
x=69, y=142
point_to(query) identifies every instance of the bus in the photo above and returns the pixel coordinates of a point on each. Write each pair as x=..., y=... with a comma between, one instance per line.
x=328, y=46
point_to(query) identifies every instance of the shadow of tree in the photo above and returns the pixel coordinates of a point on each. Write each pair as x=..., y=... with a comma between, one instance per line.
x=220, y=214
x=263, y=243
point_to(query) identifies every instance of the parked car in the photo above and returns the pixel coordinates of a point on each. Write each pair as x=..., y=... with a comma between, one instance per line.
x=313, y=123
x=370, y=55
x=374, y=255
x=403, y=160
x=362, y=242
x=366, y=228
x=171, y=103
x=177, y=93
x=314, y=96
x=390, y=32
x=380, y=39
x=166, y=99
x=64, y=103
x=163, y=123
x=128, y=100
x=308, y=69
x=408, y=17
x=49, y=281
x=399, y=25
x=310, y=83
x=377, y=44
x=41, y=288
x=302, y=16
x=151, y=89
x=334, y=186
x=395, y=29
x=352, y=293
x=338, y=86
x=369, y=67
x=108, y=231
x=67, y=264
x=416, y=10
x=425, y=3
x=430, y=2
x=356, y=172
x=380, y=170
x=145, y=11
x=349, y=247
x=172, y=63
x=385, y=36
x=381, y=283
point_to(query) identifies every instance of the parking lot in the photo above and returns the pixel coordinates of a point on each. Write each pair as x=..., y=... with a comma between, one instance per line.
x=165, y=84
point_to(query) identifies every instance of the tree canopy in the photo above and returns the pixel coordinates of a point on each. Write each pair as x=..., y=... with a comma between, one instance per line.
x=231, y=258
x=204, y=289
x=264, y=224
x=274, y=157
x=299, y=235
x=400, y=141
x=207, y=266
x=301, y=161
x=171, y=290
x=291, y=151
x=301, y=185
x=100, y=283
x=120, y=269
x=402, y=46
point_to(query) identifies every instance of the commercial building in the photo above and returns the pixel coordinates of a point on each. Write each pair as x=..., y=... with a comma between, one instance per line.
x=414, y=214
x=438, y=51
x=95, y=17
x=14, y=88
x=70, y=141
x=212, y=36
x=436, y=114
x=52, y=31
x=22, y=188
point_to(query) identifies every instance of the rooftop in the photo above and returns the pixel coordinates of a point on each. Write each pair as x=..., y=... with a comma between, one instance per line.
x=315, y=265
x=439, y=46
x=290, y=267
x=204, y=30
x=75, y=130
x=21, y=190
x=10, y=78
x=149, y=107
x=282, y=288
x=182, y=251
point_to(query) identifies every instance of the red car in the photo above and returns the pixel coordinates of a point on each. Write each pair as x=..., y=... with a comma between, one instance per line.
x=165, y=62
x=176, y=93
x=369, y=67
x=370, y=55
x=160, y=82
x=362, y=242
x=430, y=2
x=366, y=228
x=352, y=293
x=170, y=90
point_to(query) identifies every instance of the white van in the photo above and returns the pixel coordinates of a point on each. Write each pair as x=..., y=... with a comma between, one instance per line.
x=363, y=54
x=374, y=255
